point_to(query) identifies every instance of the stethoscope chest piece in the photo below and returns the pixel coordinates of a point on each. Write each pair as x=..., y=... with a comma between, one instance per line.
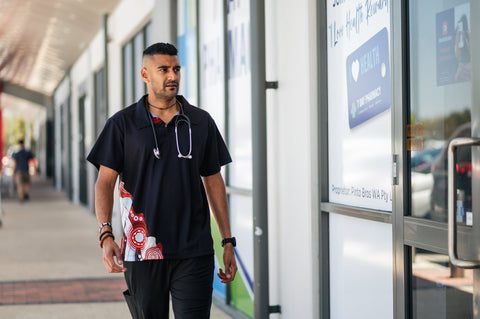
x=156, y=152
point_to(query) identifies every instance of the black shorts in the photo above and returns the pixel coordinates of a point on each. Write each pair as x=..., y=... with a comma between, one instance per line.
x=188, y=281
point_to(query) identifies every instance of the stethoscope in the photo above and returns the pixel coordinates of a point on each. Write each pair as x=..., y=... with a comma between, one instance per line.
x=180, y=117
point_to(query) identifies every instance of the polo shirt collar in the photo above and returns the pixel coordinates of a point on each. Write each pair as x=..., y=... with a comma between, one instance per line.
x=190, y=110
x=141, y=116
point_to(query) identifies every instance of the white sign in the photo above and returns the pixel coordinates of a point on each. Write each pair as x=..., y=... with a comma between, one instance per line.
x=212, y=65
x=240, y=134
x=359, y=98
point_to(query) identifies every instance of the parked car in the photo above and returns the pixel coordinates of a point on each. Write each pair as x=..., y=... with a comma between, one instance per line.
x=463, y=174
x=422, y=180
x=421, y=186
x=421, y=161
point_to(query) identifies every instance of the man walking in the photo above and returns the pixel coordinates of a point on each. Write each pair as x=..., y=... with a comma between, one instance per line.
x=168, y=155
x=21, y=170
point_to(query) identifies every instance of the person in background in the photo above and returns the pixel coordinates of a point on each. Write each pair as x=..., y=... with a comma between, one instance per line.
x=21, y=170
x=463, y=50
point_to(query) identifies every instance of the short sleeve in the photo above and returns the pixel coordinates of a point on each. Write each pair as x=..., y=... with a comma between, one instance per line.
x=216, y=152
x=108, y=150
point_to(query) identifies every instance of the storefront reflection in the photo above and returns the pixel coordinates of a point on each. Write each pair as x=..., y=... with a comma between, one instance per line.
x=429, y=171
x=464, y=178
x=439, y=290
x=440, y=102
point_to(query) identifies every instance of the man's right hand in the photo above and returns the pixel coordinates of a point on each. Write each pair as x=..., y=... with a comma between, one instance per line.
x=111, y=252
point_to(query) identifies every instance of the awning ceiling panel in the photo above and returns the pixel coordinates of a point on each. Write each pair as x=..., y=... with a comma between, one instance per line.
x=41, y=39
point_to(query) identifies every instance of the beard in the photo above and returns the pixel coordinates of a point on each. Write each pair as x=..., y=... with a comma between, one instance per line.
x=168, y=90
x=171, y=87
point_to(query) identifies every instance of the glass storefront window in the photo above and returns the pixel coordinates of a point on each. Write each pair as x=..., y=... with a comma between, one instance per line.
x=240, y=101
x=132, y=56
x=242, y=225
x=439, y=290
x=440, y=105
x=127, y=74
x=187, y=49
x=212, y=62
x=359, y=100
x=138, y=47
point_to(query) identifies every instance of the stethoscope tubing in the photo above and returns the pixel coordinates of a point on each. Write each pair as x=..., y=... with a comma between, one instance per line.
x=181, y=117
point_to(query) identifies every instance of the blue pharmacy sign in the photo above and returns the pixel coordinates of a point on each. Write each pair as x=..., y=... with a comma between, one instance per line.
x=368, y=79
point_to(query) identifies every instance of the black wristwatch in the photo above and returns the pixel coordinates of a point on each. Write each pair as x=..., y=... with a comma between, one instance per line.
x=232, y=241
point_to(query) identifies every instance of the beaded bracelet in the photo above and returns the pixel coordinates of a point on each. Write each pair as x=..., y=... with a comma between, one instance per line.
x=103, y=225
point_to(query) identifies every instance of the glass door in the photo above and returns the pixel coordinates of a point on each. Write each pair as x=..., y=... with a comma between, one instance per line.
x=442, y=222
x=81, y=152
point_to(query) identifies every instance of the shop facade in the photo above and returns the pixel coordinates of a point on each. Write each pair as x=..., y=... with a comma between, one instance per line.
x=338, y=115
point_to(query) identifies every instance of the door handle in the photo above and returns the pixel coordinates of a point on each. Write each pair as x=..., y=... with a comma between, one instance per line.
x=452, y=198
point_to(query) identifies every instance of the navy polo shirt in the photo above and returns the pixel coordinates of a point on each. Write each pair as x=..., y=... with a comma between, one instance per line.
x=21, y=158
x=165, y=212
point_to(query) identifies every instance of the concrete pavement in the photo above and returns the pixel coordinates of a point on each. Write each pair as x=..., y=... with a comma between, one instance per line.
x=50, y=262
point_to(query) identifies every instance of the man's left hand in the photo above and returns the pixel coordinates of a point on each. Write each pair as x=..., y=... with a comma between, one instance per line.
x=230, y=265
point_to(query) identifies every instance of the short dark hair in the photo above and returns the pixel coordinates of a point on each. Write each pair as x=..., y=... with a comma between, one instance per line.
x=161, y=48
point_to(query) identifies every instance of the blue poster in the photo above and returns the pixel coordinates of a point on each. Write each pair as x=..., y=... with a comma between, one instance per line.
x=368, y=79
x=445, y=47
x=453, y=45
x=187, y=42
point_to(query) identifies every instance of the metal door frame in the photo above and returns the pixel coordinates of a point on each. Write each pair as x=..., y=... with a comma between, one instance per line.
x=411, y=231
x=399, y=54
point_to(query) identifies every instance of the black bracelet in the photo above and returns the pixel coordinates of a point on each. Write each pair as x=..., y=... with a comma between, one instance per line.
x=104, y=233
x=105, y=237
x=103, y=225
